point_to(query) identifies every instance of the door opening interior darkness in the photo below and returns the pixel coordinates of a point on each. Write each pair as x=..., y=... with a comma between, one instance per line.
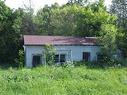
x=86, y=56
x=36, y=60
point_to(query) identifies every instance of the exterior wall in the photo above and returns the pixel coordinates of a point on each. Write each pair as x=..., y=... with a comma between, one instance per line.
x=73, y=53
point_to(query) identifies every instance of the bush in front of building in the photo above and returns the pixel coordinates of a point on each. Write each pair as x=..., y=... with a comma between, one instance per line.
x=20, y=60
x=49, y=54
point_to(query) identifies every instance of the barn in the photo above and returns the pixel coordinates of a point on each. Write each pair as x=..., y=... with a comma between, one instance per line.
x=67, y=49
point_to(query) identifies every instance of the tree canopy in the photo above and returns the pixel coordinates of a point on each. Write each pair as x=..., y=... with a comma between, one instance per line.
x=119, y=8
x=9, y=33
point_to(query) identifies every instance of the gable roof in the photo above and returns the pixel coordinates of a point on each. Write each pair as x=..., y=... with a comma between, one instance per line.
x=58, y=40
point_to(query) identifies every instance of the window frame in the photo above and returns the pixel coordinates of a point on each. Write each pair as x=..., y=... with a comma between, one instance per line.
x=59, y=60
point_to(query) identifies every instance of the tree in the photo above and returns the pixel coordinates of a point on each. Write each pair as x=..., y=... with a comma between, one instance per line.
x=27, y=19
x=119, y=8
x=108, y=39
x=79, y=2
x=63, y=20
x=9, y=34
x=91, y=19
x=44, y=20
x=28, y=26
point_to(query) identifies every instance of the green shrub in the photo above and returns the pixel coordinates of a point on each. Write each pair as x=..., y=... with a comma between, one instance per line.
x=80, y=63
x=105, y=60
x=83, y=63
x=49, y=54
x=68, y=64
x=122, y=62
x=20, y=60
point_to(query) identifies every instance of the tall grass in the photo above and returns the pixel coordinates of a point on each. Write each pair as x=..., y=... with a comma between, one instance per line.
x=63, y=81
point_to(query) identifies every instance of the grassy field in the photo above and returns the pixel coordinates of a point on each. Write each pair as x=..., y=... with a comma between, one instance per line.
x=63, y=81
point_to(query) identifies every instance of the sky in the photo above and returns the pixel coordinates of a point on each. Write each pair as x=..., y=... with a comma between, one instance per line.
x=37, y=4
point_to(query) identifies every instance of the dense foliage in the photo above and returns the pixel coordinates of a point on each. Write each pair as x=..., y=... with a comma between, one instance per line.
x=63, y=81
x=49, y=54
x=9, y=34
x=119, y=8
x=73, y=20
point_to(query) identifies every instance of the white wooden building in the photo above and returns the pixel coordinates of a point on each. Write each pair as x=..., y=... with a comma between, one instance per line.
x=67, y=49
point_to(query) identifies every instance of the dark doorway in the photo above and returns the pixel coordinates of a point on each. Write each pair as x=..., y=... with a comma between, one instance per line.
x=36, y=60
x=86, y=56
x=62, y=58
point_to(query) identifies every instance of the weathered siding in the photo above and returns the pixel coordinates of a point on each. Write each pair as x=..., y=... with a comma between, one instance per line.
x=74, y=53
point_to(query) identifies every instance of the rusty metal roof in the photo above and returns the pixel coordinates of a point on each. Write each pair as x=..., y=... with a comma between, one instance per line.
x=58, y=40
